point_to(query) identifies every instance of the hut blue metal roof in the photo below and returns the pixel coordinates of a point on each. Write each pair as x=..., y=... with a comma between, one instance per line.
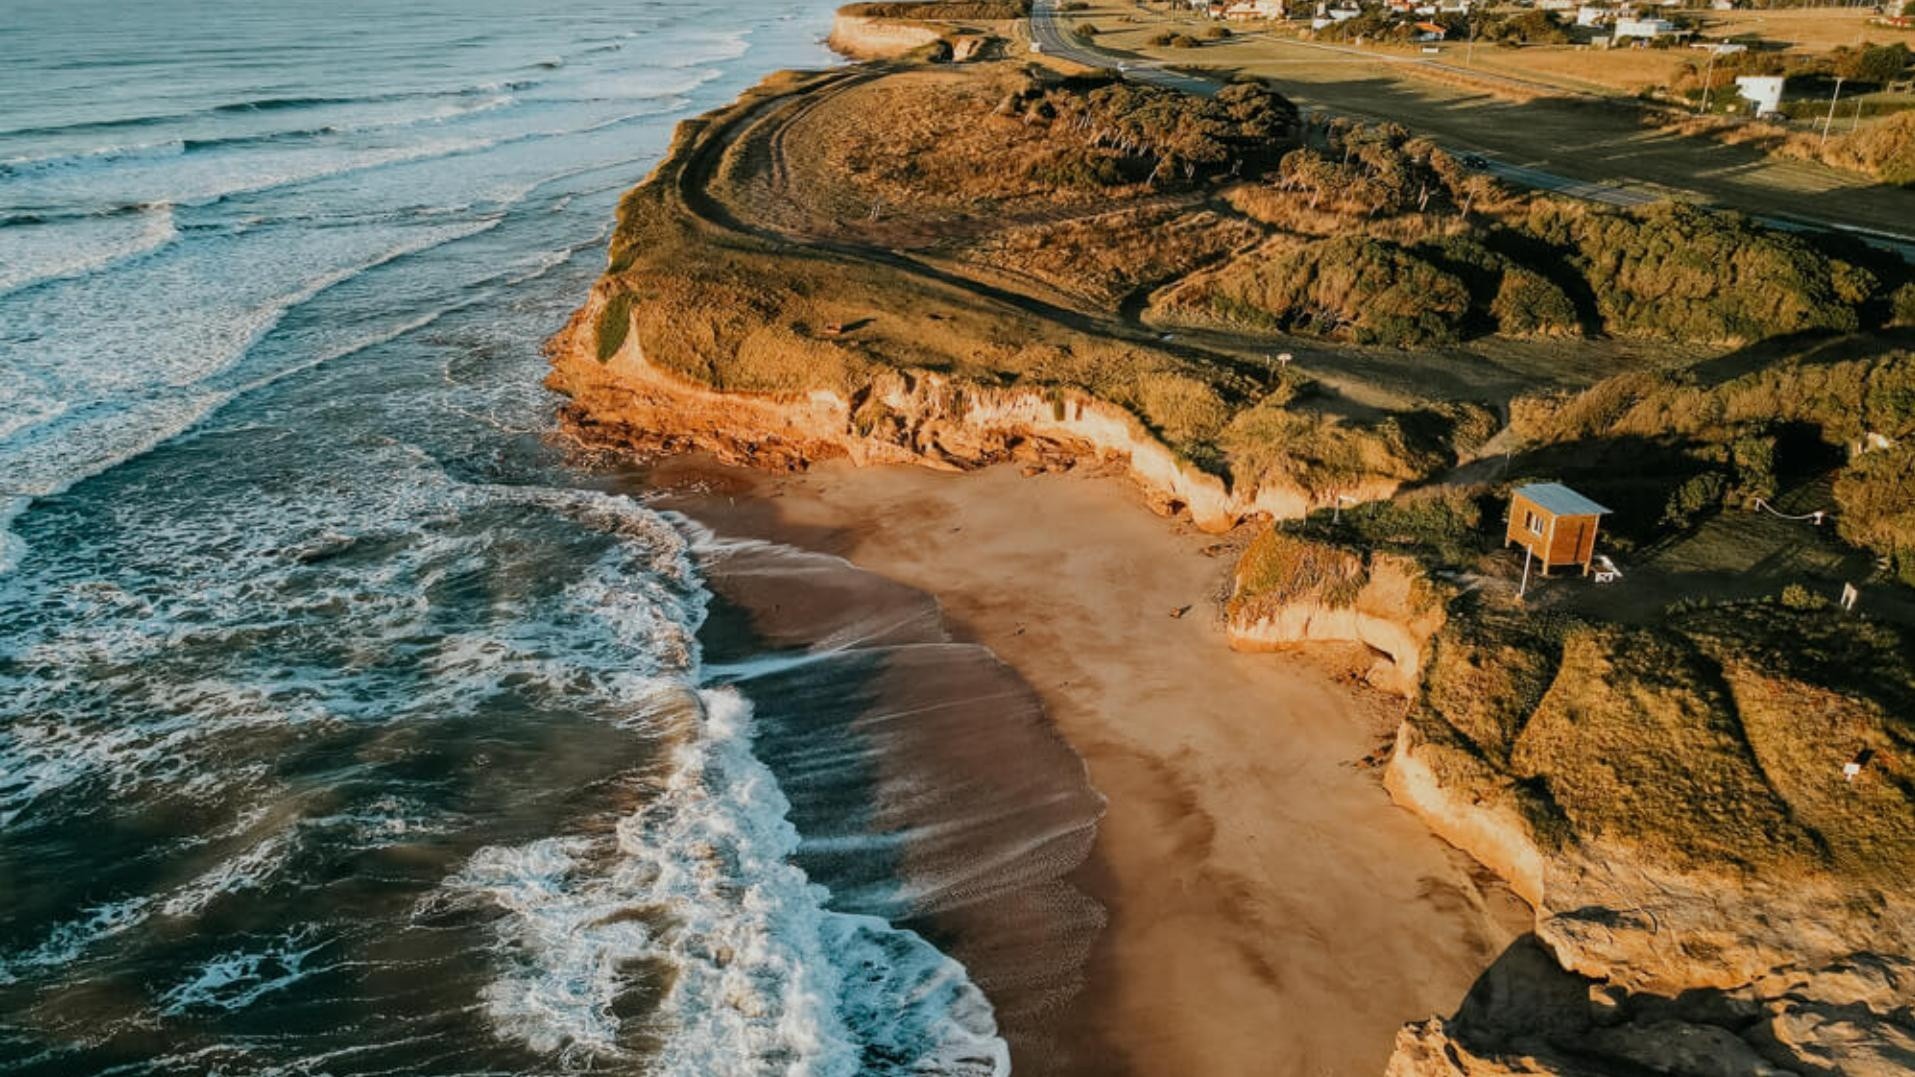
x=1556, y=498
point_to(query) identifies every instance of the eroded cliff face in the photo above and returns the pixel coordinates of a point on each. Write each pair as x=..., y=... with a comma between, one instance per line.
x=1529, y=1017
x=863, y=37
x=898, y=417
x=1649, y=962
x=1390, y=613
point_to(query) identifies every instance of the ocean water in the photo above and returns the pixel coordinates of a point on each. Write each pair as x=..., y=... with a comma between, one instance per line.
x=354, y=721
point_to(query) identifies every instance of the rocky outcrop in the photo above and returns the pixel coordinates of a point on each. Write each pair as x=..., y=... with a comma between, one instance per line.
x=1528, y=1016
x=1672, y=965
x=900, y=417
x=1489, y=831
x=1387, y=615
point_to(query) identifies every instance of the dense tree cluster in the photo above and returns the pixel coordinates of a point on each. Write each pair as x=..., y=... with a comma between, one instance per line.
x=941, y=9
x=1537, y=266
x=1379, y=170
x=1380, y=25
x=1719, y=442
x=1175, y=137
x=1866, y=64
x=1370, y=290
x=1681, y=272
x=1523, y=28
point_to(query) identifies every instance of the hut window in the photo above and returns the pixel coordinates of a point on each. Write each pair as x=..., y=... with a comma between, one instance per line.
x=1534, y=523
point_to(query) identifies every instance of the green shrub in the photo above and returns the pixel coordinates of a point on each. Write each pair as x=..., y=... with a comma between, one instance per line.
x=1529, y=304
x=1277, y=568
x=1168, y=39
x=1442, y=522
x=1679, y=272
x=1171, y=137
x=614, y=323
x=1797, y=597
x=1902, y=304
x=1876, y=497
x=1370, y=290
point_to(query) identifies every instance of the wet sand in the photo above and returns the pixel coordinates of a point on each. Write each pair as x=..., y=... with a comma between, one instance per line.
x=1270, y=911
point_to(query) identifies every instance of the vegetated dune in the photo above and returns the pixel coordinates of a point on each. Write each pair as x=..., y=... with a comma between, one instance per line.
x=854, y=352
x=749, y=264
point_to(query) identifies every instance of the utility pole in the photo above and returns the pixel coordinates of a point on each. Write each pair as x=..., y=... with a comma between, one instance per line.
x=1708, y=81
x=1469, y=54
x=1830, y=122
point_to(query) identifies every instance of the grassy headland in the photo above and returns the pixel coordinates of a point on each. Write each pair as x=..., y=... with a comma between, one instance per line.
x=955, y=264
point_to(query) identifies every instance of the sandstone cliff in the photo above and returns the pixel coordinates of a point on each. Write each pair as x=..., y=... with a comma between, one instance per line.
x=898, y=416
x=1715, y=894
x=863, y=37
x=1289, y=592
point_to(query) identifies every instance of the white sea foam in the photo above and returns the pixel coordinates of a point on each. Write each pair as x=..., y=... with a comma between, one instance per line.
x=116, y=402
x=765, y=978
x=250, y=869
x=68, y=941
x=191, y=179
x=238, y=978
x=43, y=252
x=12, y=548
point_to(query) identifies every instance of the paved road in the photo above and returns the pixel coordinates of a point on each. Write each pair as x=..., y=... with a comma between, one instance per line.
x=1053, y=35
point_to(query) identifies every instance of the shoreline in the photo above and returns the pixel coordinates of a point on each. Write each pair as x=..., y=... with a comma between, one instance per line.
x=1263, y=894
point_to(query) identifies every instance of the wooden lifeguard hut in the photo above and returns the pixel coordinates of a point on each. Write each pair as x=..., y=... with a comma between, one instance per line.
x=1554, y=524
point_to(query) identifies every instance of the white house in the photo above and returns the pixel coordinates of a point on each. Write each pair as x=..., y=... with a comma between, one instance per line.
x=1764, y=91
x=1644, y=28
x=1591, y=15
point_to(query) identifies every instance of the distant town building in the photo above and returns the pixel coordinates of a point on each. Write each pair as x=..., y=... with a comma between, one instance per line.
x=1429, y=31
x=1591, y=15
x=1649, y=29
x=1763, y=91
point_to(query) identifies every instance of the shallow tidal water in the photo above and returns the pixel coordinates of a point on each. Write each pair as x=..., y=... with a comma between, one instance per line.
x=352, y=720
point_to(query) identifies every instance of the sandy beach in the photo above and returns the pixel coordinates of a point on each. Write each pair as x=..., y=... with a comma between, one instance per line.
x=1270, y=911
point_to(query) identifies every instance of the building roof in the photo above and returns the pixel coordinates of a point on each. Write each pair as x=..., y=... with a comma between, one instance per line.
x=1556, y=498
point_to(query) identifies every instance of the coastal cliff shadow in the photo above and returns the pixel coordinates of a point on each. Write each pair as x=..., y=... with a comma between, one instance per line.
x=1811, y=349
x=1527, y=1007
x=923, y=776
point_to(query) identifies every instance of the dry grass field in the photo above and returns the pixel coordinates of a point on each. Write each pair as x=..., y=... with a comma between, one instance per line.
x=1804, y=30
